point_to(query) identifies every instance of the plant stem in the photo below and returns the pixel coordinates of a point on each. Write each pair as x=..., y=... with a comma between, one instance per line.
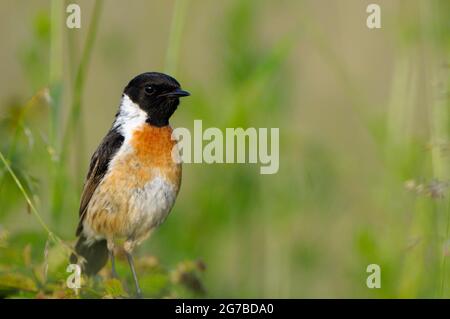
x=56, y=62
x=75, y=113
x=28, y=200
x=176, y=31
x=79, y=85
x=51, y=235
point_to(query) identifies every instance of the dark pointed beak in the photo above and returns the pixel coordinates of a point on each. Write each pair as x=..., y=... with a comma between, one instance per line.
x=178, y=93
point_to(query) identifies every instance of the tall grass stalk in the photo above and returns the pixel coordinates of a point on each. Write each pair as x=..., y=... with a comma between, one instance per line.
x=176, y=31
x=56, y=64
x=439, y=116
x=75, y=112
x=74, y=123
x=439, y=134
x=445, y=257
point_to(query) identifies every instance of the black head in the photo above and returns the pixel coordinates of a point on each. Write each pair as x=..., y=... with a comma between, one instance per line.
x=157, y=94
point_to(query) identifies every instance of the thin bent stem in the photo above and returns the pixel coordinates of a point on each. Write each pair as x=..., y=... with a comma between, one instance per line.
x=27, y=197
x=33, y=209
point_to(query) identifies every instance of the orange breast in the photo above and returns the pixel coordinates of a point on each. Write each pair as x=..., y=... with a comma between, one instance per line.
x=153, y=145
x=153, y=149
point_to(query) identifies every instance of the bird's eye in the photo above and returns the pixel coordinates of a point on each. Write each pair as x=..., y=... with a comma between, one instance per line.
x=149, y=89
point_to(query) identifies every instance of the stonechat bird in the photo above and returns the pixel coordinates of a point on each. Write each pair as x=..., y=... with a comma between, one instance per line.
x=133, y=181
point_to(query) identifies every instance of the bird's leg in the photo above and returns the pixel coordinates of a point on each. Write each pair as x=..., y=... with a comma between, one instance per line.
x=110, y=245
x=128, y=247
x=113, y=265
x=133, y=271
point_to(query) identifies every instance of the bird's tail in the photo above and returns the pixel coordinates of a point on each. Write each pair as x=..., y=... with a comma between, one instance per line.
x=95, y=255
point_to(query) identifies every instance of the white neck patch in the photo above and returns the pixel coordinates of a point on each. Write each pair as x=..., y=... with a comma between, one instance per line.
x=130, y=117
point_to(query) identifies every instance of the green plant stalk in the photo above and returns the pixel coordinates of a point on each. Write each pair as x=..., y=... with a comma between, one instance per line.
x=75, y=116
x=439, y=134
x=72, y=44
x=176, y=31
x=439, y=165
x=56, y=62
x=75, y=113
x=55, y=86
x=51, y=235
x=444, y=259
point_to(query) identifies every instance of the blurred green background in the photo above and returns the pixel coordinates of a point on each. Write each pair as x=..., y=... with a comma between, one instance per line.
x=364, y=124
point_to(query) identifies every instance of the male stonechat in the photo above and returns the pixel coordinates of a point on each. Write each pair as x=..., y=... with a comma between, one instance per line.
x=133, y=181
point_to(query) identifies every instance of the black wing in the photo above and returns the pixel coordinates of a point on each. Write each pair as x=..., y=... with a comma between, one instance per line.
x=97, y=169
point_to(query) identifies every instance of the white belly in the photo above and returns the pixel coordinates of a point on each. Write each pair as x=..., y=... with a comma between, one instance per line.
x=150, y=205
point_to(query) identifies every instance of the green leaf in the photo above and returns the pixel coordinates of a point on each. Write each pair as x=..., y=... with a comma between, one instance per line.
x=16, y=281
